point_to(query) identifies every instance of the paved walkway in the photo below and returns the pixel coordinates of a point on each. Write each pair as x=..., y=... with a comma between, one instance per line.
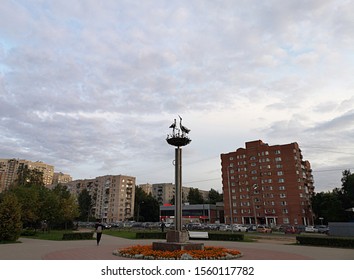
x=34, y=249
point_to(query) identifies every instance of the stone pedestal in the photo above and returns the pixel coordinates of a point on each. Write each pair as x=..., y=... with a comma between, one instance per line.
x=174, y=246
x=177, y=240
x=177, y=236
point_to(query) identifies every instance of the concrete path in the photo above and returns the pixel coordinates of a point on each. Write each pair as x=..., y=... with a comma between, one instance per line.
x=34, y=249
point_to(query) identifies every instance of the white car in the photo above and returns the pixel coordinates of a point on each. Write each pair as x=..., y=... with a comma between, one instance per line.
x=311, y=229
x=240, y=228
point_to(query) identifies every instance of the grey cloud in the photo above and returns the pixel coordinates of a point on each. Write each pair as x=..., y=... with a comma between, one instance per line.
x=337, y=124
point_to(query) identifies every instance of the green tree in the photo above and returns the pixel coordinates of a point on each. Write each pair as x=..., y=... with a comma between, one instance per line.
x=67, y=209
x=328, y=205
x=214, y=196
x=347, y=189
x=195, y=197
x=30, y=203
x=10, y=218
x=29, y=177
x=146, y=207
x=85, y=205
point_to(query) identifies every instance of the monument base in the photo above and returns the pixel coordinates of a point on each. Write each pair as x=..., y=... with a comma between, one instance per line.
x=174, y=246
x=177, y=236
x=177, y=240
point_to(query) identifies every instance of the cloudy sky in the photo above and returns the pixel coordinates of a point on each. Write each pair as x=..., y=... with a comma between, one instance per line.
x=91, y=87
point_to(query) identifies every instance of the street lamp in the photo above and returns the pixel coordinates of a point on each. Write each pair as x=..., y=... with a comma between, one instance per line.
x=229, y=187
x=137, y=219
x=255, y=186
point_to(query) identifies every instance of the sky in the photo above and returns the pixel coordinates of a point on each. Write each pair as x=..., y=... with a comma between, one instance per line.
x=92, y=87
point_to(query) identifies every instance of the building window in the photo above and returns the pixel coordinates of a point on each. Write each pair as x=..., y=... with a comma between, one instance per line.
x=285, y=220
x=280, y=173
x=282, y=195
x=281, y=180
x=278, y=159
x=281, y=188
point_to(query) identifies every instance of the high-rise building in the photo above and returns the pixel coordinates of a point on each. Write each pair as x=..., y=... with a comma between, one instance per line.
x=61, y=178
x=113, y=196
x=9, y=170
x=164, y=192
x=265, y=184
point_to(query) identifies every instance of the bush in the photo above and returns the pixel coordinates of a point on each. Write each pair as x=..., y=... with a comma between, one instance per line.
x=328, y=241
x=10, y=218
x=226, y=236
x=150, y=235
x=78, y=236
x=28, y=232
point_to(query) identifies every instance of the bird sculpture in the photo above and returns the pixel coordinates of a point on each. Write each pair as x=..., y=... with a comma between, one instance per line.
x=183, y=128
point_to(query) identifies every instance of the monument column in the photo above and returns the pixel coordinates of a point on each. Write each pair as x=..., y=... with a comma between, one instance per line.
x=177, y=239
x=178, y=191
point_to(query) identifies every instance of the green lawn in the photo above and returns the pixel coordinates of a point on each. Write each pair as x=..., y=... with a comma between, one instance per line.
x=122, y=234
x=52, y=235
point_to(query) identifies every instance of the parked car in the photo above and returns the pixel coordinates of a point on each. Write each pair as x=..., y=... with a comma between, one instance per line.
x=323, y=229
x=264, y=229
x=251, y=227
x=224, y=227
x=240, y=228
x=311, y=229
x=290, y=230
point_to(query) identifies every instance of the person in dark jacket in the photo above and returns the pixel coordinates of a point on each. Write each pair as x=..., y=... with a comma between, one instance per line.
x=98, y=229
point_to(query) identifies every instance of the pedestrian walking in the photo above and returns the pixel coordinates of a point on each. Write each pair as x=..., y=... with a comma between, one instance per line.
x=98, y=229
x=163, y=226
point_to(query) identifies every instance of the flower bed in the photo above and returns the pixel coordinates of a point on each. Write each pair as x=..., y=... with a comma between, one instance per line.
x=209, y=253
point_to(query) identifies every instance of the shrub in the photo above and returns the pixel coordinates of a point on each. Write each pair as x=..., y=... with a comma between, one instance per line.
x=226, y=236
x=10, y=218
x=329, y=241
x=150, y=235
x=28, y=232
x=78, y=236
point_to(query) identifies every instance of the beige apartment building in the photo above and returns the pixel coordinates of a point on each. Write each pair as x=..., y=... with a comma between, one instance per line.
x=113, y=196
x=165, y=192
x=9, y=169
x=61, y=178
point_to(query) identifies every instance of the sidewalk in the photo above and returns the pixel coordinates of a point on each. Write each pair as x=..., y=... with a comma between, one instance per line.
x=34, y=249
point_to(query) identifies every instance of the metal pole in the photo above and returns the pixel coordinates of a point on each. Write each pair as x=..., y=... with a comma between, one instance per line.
x=228, y=184
x=255, y=186
x=178, y=182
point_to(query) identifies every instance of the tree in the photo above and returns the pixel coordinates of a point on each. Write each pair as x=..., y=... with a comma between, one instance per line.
x=29, y=177
x=30, y=203
x=328, y=205
x=67, y=207
x=10, y=218
x=146, y=207
x=195, y=197
x=85, y=205
x=214, y=196
x=348, y=189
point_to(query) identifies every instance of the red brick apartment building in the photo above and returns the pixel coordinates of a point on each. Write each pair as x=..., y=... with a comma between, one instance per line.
x=265, y=184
